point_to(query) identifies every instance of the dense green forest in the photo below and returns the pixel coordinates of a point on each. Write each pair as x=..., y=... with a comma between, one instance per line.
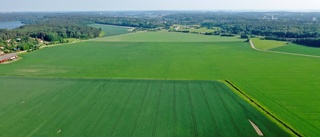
x=302, y=28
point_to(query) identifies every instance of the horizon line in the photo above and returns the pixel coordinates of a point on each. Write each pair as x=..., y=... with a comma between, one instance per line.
x=217, y=10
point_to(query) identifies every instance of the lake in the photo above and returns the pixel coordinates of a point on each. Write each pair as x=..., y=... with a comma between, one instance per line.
x=10, y=24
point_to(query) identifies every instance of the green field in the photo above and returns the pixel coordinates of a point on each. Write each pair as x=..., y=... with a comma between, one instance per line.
x=109, y=30
x=286, y=85
x=294, y=48
x=282, y=46
x=267, y=44
x=167, y=37
x=201, y=30
x=142, y=108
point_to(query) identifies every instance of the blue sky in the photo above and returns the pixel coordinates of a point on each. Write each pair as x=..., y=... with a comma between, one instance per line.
x=107, y=5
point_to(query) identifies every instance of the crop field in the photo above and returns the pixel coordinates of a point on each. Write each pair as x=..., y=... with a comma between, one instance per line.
x=294, y=48
x=109, y=30
x=142, y=108
x=201, y=30
x=274, y=45
x=167, y=37
x=286, y=85
x=267, y=44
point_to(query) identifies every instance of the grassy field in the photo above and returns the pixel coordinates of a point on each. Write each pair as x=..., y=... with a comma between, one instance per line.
x=274, y=45
x=160, y=60
x=286, y=85
x=294, y=48
x=201, y=30
x=143, y=108
x=109, y=30
x=267, y=44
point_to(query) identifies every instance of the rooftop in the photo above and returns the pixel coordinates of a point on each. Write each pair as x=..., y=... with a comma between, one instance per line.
x=6, y=56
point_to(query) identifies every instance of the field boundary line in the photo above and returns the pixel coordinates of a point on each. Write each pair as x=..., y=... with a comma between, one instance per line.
x=279, y=52
x=261, y=108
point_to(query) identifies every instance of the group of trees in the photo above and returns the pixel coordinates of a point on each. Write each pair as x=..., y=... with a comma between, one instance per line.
x=312, y=42
x=52, y=29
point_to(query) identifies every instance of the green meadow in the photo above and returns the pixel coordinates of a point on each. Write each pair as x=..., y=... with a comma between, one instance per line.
x=282, y=46
x=267, y=44
x=286, y=85
x=294, y=48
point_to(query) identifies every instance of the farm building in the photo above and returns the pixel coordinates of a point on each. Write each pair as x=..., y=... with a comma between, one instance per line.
x=7, y=57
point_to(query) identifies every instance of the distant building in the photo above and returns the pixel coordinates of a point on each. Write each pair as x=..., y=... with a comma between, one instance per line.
x=8, y=57
x=40, y=40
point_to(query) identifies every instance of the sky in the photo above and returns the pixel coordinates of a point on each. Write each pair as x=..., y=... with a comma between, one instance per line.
x=111, y=5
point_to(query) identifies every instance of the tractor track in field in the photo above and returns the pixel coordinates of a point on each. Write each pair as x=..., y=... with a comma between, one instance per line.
x=174, y=111
x=53, y=115
x=104, y=112
x=279, y=52
x=195, y=128
x=228, y=112
x=245, y=109
x=139, y=111
x=123, y=109
x=155, y=120
x=214, y=122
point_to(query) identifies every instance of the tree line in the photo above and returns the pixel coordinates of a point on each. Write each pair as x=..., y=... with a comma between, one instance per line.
x=298, y=27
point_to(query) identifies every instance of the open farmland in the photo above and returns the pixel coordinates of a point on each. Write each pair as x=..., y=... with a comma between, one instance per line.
x=286, y=85
x=142, y=108
x=294, y=48
x=164, y=36
x=267, y=44
x=109, y=30
x=282, y=46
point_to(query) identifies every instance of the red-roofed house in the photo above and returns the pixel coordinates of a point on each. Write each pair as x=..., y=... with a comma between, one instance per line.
x=7, y=57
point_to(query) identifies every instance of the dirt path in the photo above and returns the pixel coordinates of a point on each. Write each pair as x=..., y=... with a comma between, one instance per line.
x=278, y=52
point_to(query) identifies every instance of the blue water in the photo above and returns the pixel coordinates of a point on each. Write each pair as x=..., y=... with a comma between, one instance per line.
x=10, y=24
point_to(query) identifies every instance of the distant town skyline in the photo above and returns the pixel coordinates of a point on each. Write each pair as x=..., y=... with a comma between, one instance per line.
x=119, y=5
